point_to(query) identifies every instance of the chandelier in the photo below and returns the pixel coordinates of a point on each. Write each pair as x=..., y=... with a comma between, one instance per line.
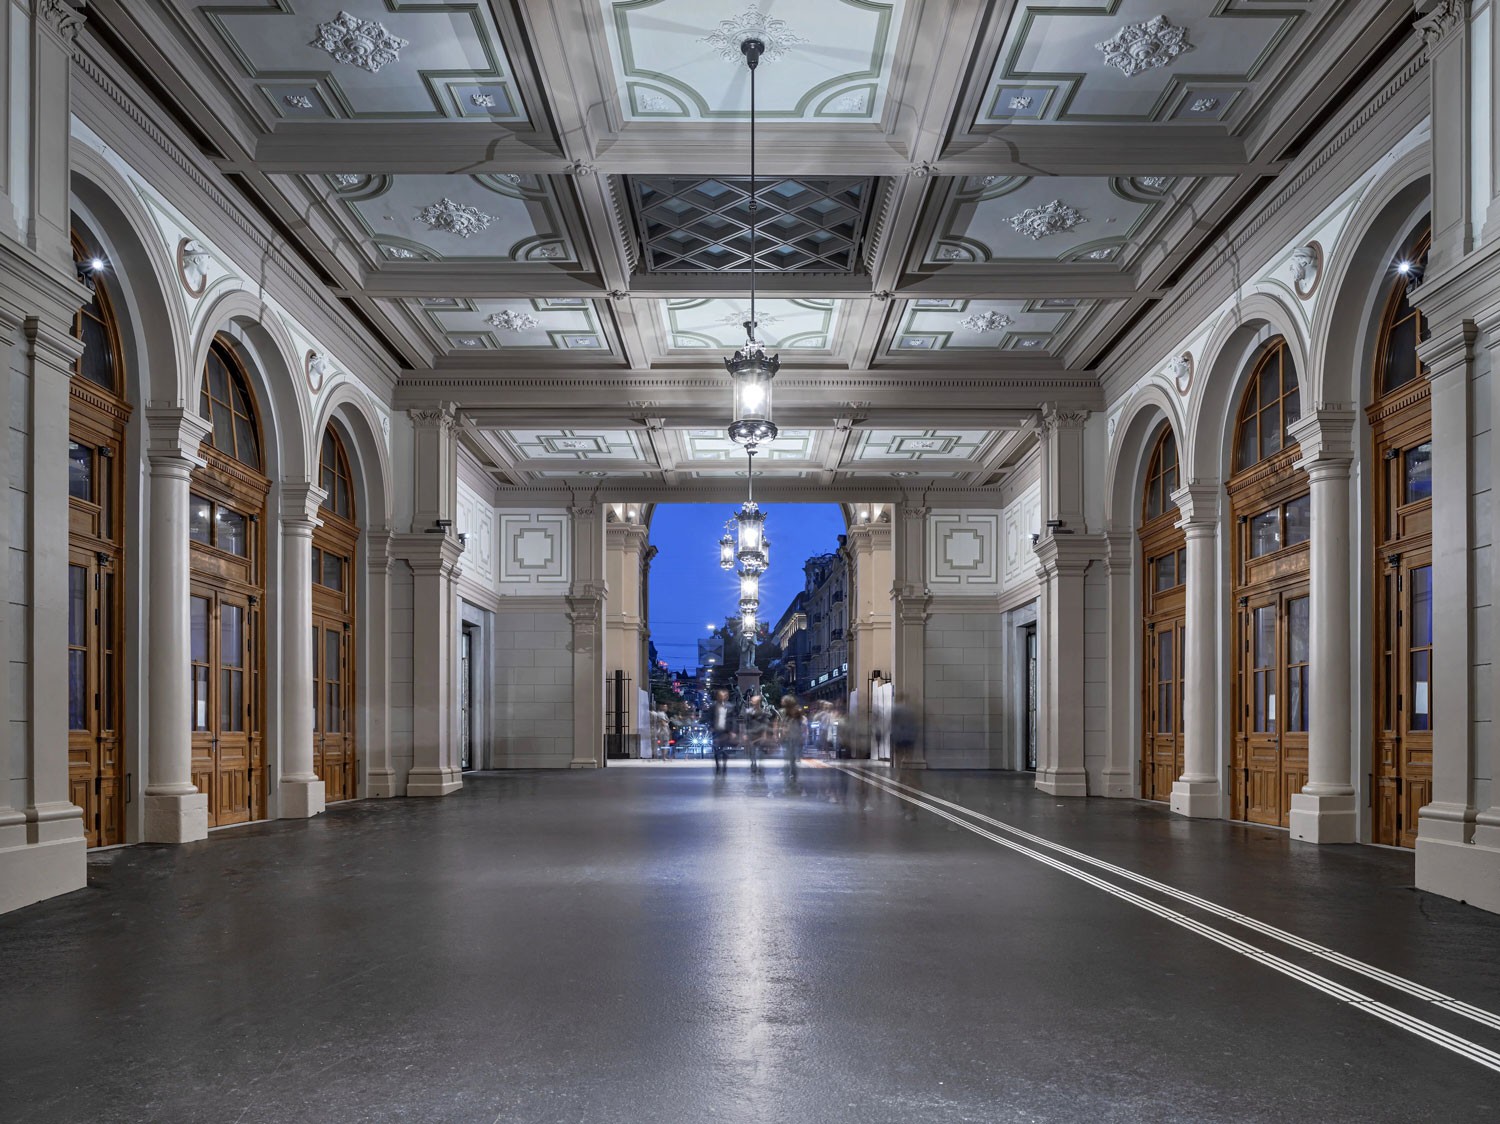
x=751, y=368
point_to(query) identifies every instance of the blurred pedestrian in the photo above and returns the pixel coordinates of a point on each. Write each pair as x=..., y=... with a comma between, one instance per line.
x=792, y=734
x=721, y=721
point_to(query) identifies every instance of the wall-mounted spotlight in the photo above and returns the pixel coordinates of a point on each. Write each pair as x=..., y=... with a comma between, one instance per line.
x=1036, y=537
x=88, y=270
x=1054, y=524
x=463, y=540
x=440, y=526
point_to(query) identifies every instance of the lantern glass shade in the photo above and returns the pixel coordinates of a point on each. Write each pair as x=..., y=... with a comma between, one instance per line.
x=726, y=552
x=751, y=524
x=749, y=586
x=751, y=371
x=747, y=622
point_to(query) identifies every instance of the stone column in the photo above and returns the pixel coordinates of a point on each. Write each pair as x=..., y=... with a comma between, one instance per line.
x=586, y=599
x=1445, y=827
x=911, y=599
x=1124, y=666
x=1199, y=791
x=375, y=627
x=300, y=790
x=1324, y=811
x=625, y=620
x=175, y=812
x=870, y=611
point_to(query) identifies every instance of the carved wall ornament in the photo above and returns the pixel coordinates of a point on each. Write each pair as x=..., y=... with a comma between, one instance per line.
x=442, y=418
x=1055, y=217
x=1306, y=269
x=1181, y=370
x=1064, y=419
x=881, y=295
x=508, y=320
x=1443, y=18
x=317, y=367
x=1139, y=47
x=192, y=266
x=456, y=218
x=922, y=171
x=583, y=167
x=986, y=321
x=752, y=23
x=362, y=43
x=62, y=17
x=618, y=295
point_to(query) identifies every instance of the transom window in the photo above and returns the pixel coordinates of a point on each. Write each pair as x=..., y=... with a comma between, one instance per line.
x=1405, y=326
x=227, y=403
x=218, y=526
x=1161, y=476
x=1168, y=571
x=1288, y=524
x=1271, y=404
x=334, y=476
x=94, y=323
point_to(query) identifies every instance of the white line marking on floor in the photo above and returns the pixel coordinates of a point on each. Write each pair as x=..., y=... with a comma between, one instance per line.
x=1473, y=1051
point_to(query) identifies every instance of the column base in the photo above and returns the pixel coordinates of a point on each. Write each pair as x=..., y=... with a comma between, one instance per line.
x=1199, y=800
x=1324, y=817
x=42, y=854
x=584, y=764
x=177, y=818
x=301, y=798
x=1063, y=782
x=1468, y=872
x=433, y=782
x=1119, y=785
x=381, y=784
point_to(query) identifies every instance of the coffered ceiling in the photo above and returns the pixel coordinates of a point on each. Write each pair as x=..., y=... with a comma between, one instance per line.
x=542, y=207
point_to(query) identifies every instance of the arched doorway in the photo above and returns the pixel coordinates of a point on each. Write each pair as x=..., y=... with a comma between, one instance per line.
x=333, y=624
x=1400, y=416
x=97, y=414
x=226, y=527
x=1272, y=513
x=1163, y=620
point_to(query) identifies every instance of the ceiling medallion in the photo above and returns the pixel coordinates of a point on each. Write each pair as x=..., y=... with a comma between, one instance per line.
x=456, y=218
x=752, y=23
x=986, y=322
x=362, y=43
x=738, y=317
x=1138, y=47
x=510, y=321
x=1055, y=218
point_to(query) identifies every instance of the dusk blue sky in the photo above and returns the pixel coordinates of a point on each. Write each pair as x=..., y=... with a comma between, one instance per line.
x=689, y=590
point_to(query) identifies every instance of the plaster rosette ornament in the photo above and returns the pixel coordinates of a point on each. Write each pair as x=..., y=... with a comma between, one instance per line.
x=1054, y=218
x=1181, y=371
x=752, y=23
x=1139, y=47
x=192, y=266
x=986, y=322
x=510, y=321
x=318, y=367
x=455, y=218
x=1306, y=267
x=356, y=42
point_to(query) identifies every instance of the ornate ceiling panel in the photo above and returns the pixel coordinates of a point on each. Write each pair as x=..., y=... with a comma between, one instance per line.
x=615, y=445
x=679, y=60
x=933, y=324
x=367, y=59
x=808, y=224
x=498, y=218
x=540, y=324
x=920, y=445
x=712, y=445
x=1088, y=219
x=1133, y=61
x=805, y=324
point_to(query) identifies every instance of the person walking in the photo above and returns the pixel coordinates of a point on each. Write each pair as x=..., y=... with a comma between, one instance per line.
x=722, y=721
x=791, y=732
x=757, y=729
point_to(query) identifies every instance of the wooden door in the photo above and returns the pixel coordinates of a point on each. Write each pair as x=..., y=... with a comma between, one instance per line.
x=1270, y=756
x=1403, y=747
x=228, y=752
x=96, y=767
x=333, y=742
x=1164, y=681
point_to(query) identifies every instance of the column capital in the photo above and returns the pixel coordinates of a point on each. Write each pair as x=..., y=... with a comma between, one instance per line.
x=1054, y=418
x=50, y=346
x=1326, y=435
x=378, y=550
x=1119, y=550
x=300, y=502
x=428, y=553
x=1197, y=505
x=1069, y=555
x=173, y=435
x=1450, y=350
x=438, y=417
x=1437, y=19
x=61, y=18
x=627, y=536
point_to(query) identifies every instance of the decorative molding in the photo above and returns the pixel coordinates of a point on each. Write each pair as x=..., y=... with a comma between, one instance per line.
x=1138, y=47
x=61, y=17
x=1055, y=217
x=1055, y=419
x=442, y=418
x=192, y=266
x=922, y=171
x=1436, y=24
x=752, y=23
x=455, y=218
x=581, y=168
x=508, y=320
x=1203, y=105
x=298, y=101
x=356, y=42
x=986, y=321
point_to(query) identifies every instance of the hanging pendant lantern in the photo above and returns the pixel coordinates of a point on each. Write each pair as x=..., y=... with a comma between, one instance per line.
x=751, y=521
x=726, y=552
x=749, y=588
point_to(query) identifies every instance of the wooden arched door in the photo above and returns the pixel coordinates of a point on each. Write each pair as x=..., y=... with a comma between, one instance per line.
x=1400, y=418
x=1272, y=513
x=97, y=415
x=335, y=758
x=1163, y=622
x=226, y=529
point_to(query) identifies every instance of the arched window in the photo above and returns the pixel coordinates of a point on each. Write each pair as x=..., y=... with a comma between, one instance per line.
x=334, y=477
x=1404, y=327
x=226, y=401
x=1271, y=404
x=94, y=323
x=1161, y=476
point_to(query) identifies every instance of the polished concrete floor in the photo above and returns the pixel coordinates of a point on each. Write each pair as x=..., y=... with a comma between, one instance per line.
x=661, y=944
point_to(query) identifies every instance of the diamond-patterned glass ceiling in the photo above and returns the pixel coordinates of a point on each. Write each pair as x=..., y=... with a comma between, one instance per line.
x=807, y=224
